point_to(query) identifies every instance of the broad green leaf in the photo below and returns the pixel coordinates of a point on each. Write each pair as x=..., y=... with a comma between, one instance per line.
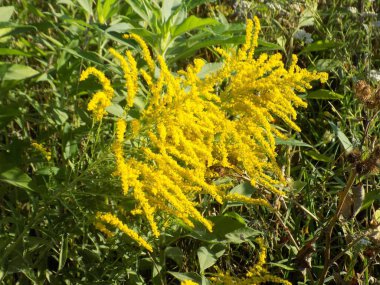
x=307, y=18
x=119, y=28
x=369, y=198
x=207, y=256
x=244, y=188
x=323, y=94
x=86, y=5
x=317, y=156
x=192, y=23
x=291, y=142
x=346, y=143
x=235, y=216
x=226, y=229
x=241, y=235
x=327, y=64
x=10, y=71
x=59, y=116
x=174, y=253
x=195, y=277
x=168, y=7
x=16, y=177
x=320, y=45
x=141, y=9
x=115, y=110
x=6, y=13
x=209, y=68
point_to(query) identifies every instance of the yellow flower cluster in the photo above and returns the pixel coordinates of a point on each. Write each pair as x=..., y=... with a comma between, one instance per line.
x=257, y=274
x=191, y=126
x=114, y=221
x=101, y=99
x=188, y=282
x=42, y=150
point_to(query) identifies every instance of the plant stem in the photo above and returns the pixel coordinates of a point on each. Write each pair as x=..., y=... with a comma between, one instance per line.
x=331, y=224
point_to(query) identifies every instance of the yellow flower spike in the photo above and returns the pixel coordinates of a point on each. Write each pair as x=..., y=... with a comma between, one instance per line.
x=42, y=150
x=103, y=229
x=114, y=221
x=130, y=74
x=121, y=126
x=192, y=126
x=102, y=99
x=145, y=50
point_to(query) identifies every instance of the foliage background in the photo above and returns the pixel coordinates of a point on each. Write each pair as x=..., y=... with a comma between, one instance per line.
x=47, y=208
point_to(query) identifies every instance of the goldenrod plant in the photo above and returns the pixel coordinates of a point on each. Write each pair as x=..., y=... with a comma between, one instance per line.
x=191, y=125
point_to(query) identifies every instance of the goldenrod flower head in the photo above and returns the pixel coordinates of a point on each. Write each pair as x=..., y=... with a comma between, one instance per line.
x=42, y=150
x=114, y=221
x=191, y=126
x=145, y=50
x=102, y=99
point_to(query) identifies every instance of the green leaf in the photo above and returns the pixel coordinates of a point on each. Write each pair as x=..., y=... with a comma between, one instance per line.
x=283, y=266
x=6, y=13
x=174, y=253
x=244, y=188
x=320, y=45
x=327, y=64
x=323, y=94
x=10, y=71
x=16, y=177
x=59, y=116
x=168, y=8
x=317, y=156
x=226, y=229
x=209, y=68
x=291, y=142
x=369, y=198
x=195, y=277
x=235, y=216
x=207, y=256
x=346, y=143
x=119, y=28
x=63, y=252
x=192, y=23
x=86, y=5
x=9, y=51
x=116, y=110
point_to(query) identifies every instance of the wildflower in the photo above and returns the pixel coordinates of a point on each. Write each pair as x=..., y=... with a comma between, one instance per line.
x=304, y=36
x=114, y=221
x=42, y=150
x=102, y=99
x=186, y=129
x=103, y=229
x=374, y=75
x=352, y=10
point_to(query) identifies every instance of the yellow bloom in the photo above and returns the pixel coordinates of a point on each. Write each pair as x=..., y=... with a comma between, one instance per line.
x=114, y=221
x=42, y=150
x=192, y=126
x=102, y=99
